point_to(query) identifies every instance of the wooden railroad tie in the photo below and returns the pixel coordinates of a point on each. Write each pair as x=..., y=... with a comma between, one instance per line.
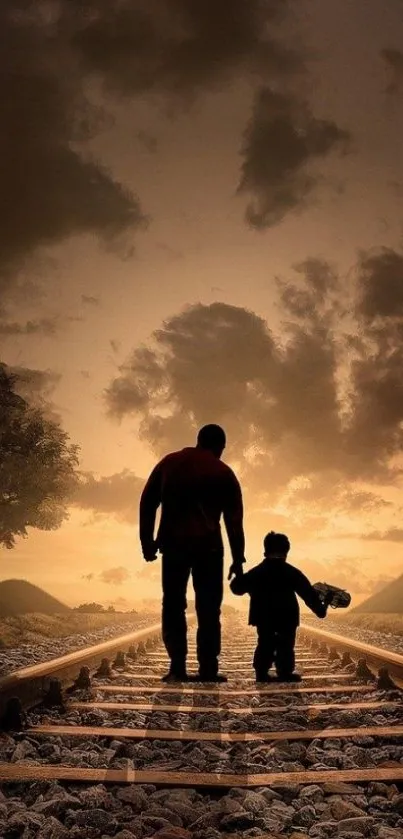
x=14, y=773
x=311, y=710
x=309, y=676
x=220, y=736
x=225, y=692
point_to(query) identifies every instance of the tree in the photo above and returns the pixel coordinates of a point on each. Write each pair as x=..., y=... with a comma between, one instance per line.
x=37, y=466
x=111, y=609
x=90, y=608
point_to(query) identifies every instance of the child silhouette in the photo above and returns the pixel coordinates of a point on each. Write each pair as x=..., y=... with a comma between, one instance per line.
x=274, y=610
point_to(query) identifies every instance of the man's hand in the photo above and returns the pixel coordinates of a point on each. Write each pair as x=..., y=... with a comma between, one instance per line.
x=236, y=570
x=150, y=552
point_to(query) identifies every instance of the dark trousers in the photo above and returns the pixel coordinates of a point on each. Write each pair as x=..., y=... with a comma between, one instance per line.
x=207, y=576
x=276, y=646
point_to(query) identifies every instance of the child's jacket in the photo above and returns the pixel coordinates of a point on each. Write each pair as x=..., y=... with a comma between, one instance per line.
x=273, y=586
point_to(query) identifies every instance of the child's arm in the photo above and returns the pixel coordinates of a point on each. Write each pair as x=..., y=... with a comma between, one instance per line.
x=309, y=595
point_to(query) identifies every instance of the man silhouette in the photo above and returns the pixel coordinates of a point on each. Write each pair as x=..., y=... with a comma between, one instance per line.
x=194, y=487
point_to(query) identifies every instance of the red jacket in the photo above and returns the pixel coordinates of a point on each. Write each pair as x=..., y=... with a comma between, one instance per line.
x=194, y=488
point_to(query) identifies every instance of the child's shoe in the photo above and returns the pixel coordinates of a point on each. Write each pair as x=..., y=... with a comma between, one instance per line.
x=289, y=677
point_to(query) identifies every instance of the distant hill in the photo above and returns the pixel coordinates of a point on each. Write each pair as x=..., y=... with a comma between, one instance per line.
x=18, y=597
x=388, y=599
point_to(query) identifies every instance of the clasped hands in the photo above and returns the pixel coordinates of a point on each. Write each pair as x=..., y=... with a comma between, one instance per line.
x=150, y=555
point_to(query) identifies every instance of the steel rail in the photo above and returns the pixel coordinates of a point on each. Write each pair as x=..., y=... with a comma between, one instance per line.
x=30, y=684
x=375, y=656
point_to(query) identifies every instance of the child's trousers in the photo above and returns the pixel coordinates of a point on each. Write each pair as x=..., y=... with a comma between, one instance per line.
x=275, y=646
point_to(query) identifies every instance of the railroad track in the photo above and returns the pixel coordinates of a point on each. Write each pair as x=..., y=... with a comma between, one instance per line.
x=253, y=736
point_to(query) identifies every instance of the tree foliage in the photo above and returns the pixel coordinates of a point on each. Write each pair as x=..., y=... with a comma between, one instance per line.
x=37, y=466
x=90, y=608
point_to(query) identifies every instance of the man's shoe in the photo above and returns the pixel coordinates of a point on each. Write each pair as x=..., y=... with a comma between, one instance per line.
x=176, y=673
x=263, y=677
x=210, y=677
x=172, y=676
x=289, y=677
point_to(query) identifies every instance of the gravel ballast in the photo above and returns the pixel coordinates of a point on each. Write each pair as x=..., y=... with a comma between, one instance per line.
x=25, y=655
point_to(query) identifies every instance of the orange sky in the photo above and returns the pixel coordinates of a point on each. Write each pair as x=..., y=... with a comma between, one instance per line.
x=184, y=162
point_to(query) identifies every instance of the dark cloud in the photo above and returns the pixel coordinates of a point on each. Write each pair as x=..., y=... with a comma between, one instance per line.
x=282, y=140
x=114, y=495
x=327, y=492
x=177, y=47
x=394, y=62
x=50, y=187
x=172, y=51
x=221, y=363
x=88, y=300
x=280, y=401
x=38, y=387
x=380, y=286
x=115, y=576
x=345, y=572
x=376, y=424
x=42, y=326
x=147, y=141
x=394, y=534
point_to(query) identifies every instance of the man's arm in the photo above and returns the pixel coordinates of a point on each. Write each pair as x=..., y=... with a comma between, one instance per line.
x=149, y=503
x=308, y=594
x=233, y=520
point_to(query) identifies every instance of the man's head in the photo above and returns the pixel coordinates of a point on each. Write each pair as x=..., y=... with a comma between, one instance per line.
x=276, y=545
x=212, y=438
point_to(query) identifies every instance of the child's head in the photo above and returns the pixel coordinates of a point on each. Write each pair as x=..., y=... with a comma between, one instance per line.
x=276, y=546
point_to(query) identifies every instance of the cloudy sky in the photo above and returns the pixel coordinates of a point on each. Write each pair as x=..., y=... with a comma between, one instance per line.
x=202, y=221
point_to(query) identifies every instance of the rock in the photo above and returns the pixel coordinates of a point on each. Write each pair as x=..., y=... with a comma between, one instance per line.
x=56, y=807
x=345, y=810
x=97, y=796
x=205, y=821
x=255, y=802
x=323, y=830
x=390, y=833
x=269, y=826
x=380, y=803
x=170, y=815
x=153, y=824
x=350, y=834
x=23, y=824
x=377, y=788
x=359, y=825
x=173, y=833
x=306, y=816
x=208, y=833
x=23, y=750
x=227, y=805
x=53, y=829
x=287, y=791
x=186, y=812
x=124, y=834
x=267, y=792
x=135, y=797
x=237, y=821
x=312, y=794
x=397, y=802
x=92, y=818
